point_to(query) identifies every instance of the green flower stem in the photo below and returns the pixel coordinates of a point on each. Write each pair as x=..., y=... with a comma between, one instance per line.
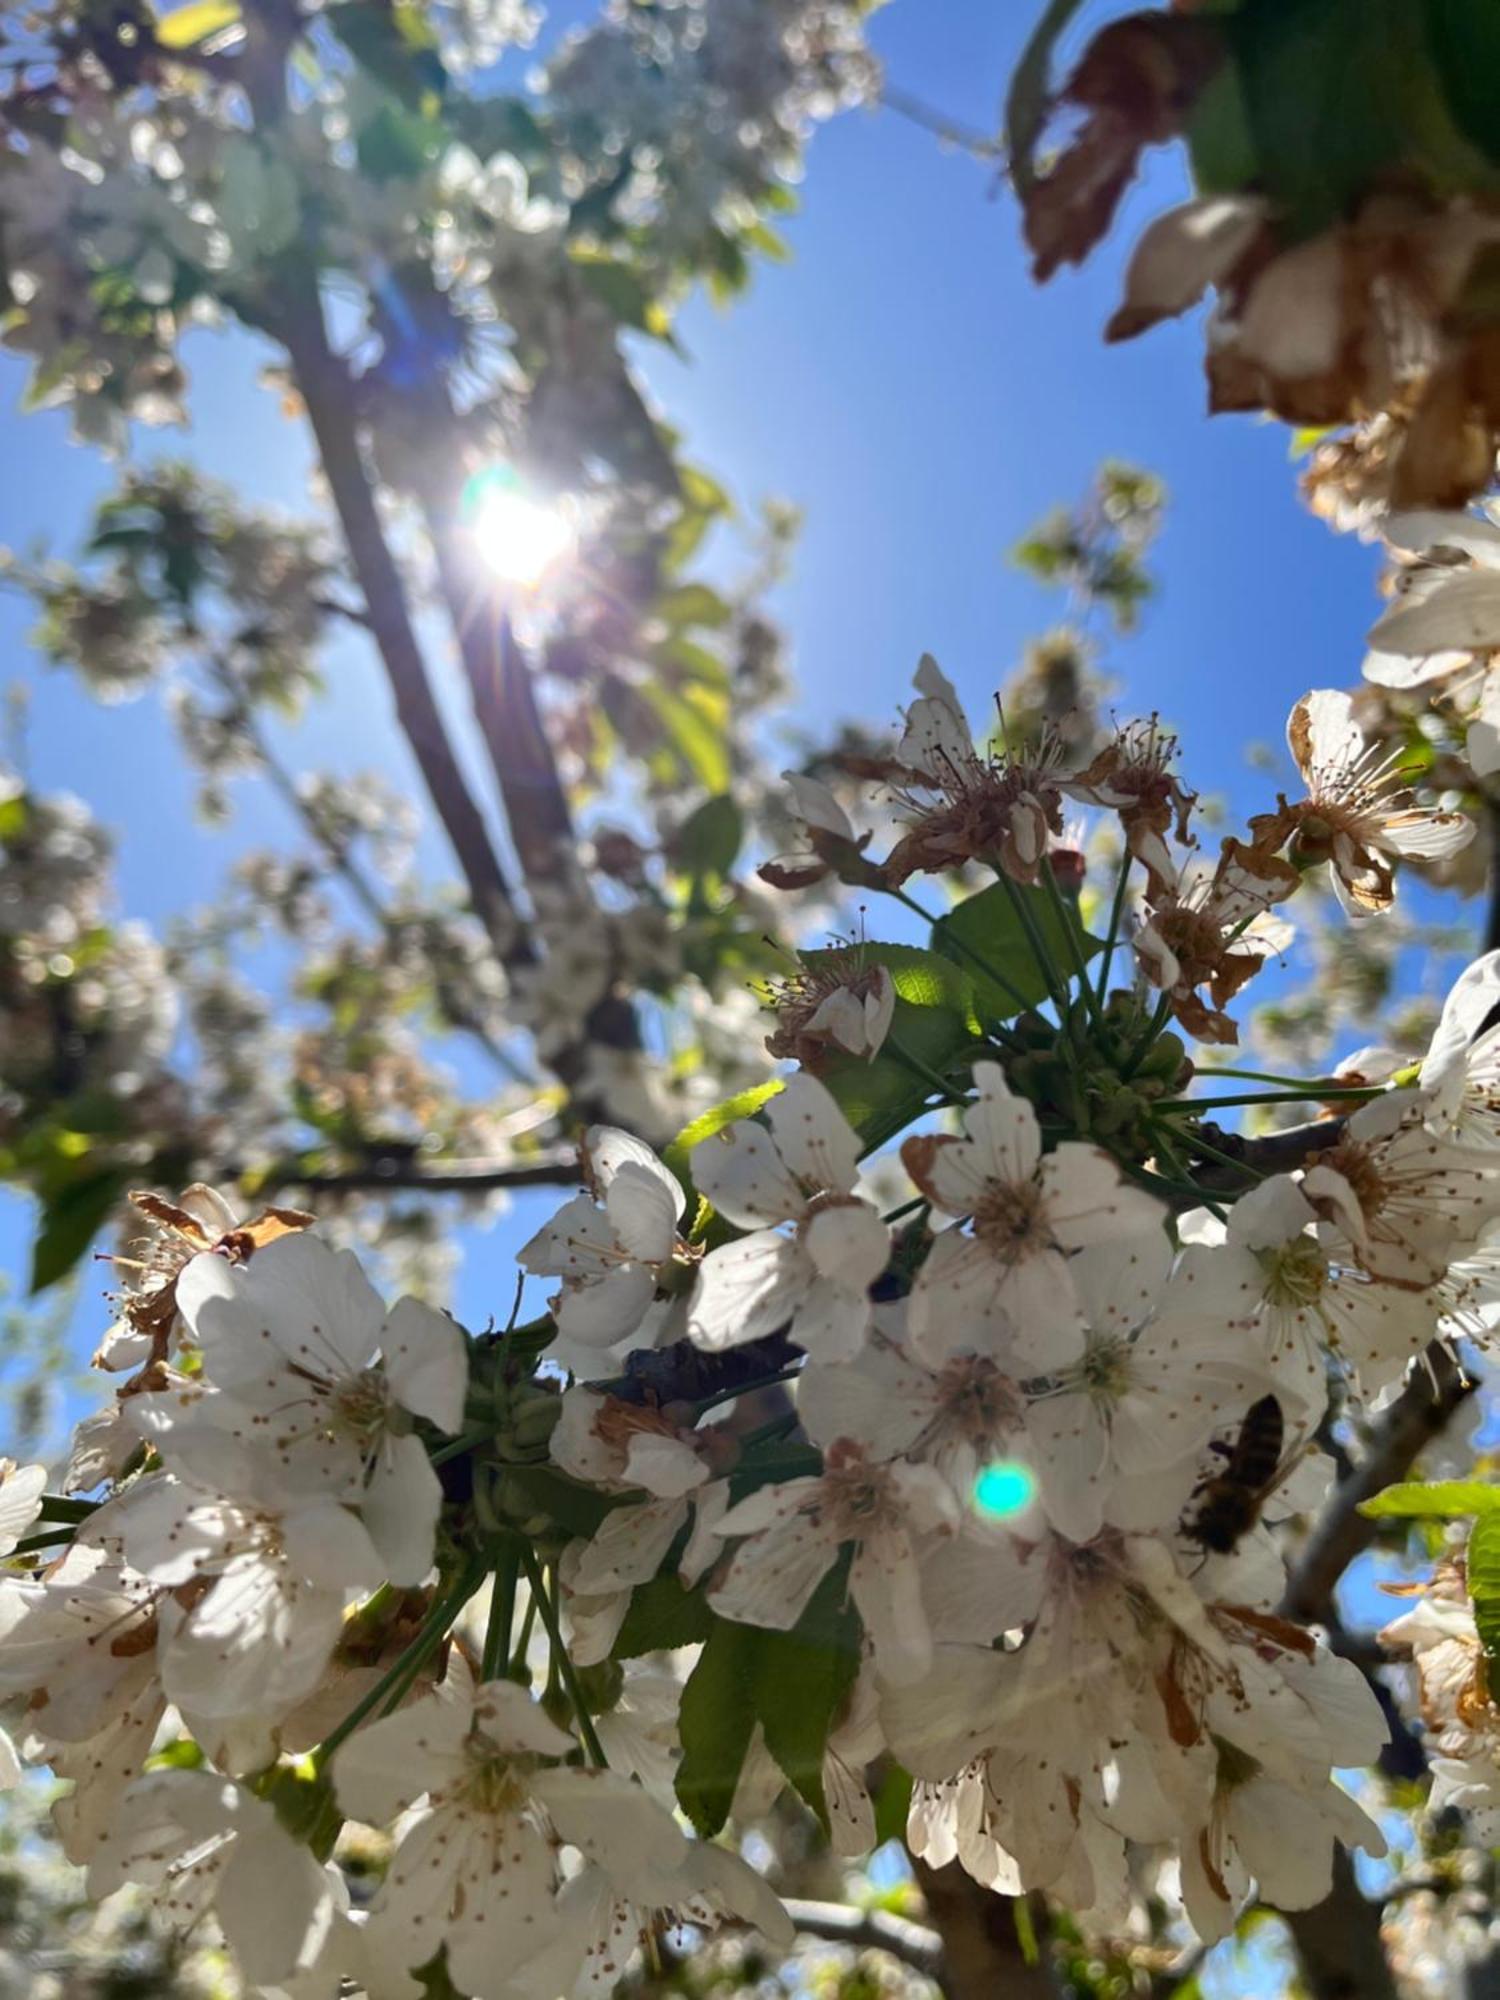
x=925, y=1072
x=1068, y=923
x=965, y=951
x=906, y=1208
x=523, y=1640
x=502, y=1614
x=1112, y=935
x=1310, y=1094
x=1057, y=981
x=55, y=1508
x=1154, y=1027
x=748, y=1388
x=470, y=1441
x=560, y=1657
x=438, y=1621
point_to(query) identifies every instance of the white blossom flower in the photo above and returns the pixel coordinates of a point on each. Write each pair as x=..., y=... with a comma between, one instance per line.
x=840, y=1002
x=80, y=1641
x=1275, y=1278
x=202, y=1843
x=1446, y=606
x=1357, y=815
x=1404, y=1200
x=610, y=1245
x=1003, y=1284
x=794, y=1533
x=624, y=1447
x=21, y=1490
x=468, y=1769
x=1460, y=1074
x=816, y=1281
x=1004, y=808
x=1151, y=1388
x=277, y=1568
x=302, y=1362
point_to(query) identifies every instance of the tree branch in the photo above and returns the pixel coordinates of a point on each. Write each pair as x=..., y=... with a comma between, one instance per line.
x=914, y=1944
x=324, y=385
x=1339, y=1943
x=1414, y=1419
x=982, y=1955
x=398, y=1173
x=1273, y=1153
x=363, y=890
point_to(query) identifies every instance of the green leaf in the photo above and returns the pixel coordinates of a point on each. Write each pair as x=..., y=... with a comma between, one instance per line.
x=1220, y=143
x=744, y=1104
x=1439, y=1499
x=697, y=740
x=621, y=289
x=1327, y=85
x=1029, y=98
x=792, y=1683
x=1464, y=38
x=716, y=1721
x=663, y=1615
x=986, y=932
x=932, y=1023
x=185, y=27
x=692, y=604
x=709, y=839
x=802, y=1679
x=71, y=1219
x=1482, y=1563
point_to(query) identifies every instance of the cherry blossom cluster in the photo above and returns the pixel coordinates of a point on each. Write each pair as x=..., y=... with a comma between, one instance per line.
x=997, y=1426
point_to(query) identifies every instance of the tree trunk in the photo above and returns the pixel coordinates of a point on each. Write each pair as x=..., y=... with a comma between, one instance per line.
x=982, y=1955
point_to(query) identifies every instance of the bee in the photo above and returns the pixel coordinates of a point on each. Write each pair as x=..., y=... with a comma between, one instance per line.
x=1229, y=1501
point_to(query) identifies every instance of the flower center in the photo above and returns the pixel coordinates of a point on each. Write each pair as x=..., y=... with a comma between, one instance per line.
x=857, y=1496
x=1105, y=1369
x=977, y=1401
x=492, y=1783
x=1295, y=1273
x=1011, y=1220
x=360, y=1408
x=1357, y=1165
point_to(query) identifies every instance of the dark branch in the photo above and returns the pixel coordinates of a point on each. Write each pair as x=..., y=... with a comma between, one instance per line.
x=1417, y=1416
x=326, y=390
x=1274, y=1153
x=397, y=1173
x=1339, y=1942
x=914, y=1944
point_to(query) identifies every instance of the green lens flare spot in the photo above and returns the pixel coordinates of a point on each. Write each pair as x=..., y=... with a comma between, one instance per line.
x=1004, y=1489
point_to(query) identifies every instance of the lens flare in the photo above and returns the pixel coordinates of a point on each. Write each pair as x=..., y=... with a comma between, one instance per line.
x=1003, y=1490
x=519, y=539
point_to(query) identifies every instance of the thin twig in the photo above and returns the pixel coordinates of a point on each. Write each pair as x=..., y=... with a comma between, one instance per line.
x=1418, y=1415
x=399, y=1174
x=862, y=1930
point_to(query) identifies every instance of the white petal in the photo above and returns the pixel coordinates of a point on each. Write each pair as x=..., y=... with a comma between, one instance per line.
x=400, y=1510
x=643, y=1212
x=427, y=1363
x=610, y=1150
x=746, y=1290
x=1463, y=613
x=742, y=1173
x=815, y=1140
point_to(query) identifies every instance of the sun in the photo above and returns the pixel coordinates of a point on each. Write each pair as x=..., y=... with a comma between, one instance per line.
x=520, y=540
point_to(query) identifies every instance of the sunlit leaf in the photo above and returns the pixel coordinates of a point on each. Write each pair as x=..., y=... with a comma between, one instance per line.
x=1439, y=1499
x=185, y=27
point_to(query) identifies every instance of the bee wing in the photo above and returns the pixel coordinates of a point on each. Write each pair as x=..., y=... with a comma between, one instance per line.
x=1302, y=1480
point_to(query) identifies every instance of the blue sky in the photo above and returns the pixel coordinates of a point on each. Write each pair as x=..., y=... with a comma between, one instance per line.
x=903, y=382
